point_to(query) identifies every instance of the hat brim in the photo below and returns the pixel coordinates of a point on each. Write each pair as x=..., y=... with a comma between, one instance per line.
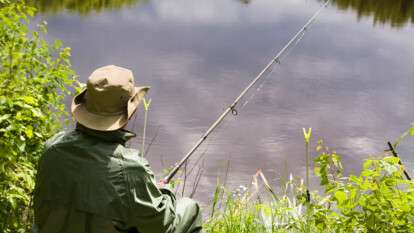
x=106, y=122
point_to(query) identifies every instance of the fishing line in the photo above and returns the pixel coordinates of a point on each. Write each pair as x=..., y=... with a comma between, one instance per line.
x=271, y=71
x=232, y=108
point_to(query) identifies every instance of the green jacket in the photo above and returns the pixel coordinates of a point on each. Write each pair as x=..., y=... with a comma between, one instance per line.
x=88, y=181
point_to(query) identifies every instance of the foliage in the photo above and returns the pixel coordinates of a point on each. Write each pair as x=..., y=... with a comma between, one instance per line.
x=34, y=77
x=379, y=199
x=235, y=217
x=249, y=211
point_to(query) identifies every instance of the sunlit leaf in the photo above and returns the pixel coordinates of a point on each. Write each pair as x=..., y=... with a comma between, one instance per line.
x=29, y=132
x=4, y=117
x=340, y=196
x=412, y=131
x=147, y=104
x=307, y=134
x=29, y=100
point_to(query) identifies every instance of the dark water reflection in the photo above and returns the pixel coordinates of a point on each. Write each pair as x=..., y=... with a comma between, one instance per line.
x=396, y=12
x=83, y=7
x=349, y=80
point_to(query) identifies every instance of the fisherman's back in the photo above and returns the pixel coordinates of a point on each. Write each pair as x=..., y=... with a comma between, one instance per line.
x=84, y=185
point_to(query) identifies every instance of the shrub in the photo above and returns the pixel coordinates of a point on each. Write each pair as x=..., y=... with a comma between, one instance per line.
x=379, y=199
x=34, y=77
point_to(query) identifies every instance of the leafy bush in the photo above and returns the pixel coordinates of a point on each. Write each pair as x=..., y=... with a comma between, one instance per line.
x=379, y=199
x=34, y=77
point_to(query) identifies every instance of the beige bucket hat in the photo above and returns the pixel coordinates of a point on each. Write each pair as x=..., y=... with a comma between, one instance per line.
x=109, y=100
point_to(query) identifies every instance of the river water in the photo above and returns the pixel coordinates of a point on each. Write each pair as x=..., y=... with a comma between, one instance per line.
x=351, y=78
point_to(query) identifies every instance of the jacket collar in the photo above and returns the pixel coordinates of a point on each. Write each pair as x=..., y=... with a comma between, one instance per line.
x=119, y=136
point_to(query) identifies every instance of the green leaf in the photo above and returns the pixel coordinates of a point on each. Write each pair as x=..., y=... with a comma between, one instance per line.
x=3, y=100
x=29, y=100
x=57, y=44
x=340, y=196
x=147, y=104
x=21, y=146
x=4, y=117
x=307, y=134
x=29, y=132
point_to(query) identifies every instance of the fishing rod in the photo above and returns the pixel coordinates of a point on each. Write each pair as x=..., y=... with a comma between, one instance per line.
x=232, y=107
x=394, y=153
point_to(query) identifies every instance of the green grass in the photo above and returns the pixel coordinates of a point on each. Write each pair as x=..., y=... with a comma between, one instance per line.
x=379, y=199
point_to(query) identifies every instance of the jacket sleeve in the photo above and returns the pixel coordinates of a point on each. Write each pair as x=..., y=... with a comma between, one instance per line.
x=151, y=210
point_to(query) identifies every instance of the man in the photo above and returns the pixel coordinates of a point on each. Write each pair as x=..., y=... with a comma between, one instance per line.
x=90, y=182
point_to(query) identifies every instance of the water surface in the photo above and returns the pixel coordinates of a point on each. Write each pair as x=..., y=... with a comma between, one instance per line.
x=350, y=78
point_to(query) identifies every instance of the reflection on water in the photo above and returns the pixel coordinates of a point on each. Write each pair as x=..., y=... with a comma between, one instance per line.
x=397, y=13
x=83, y=7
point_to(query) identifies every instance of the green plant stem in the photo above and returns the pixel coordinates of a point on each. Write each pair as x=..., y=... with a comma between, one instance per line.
x=144, y=133
x=307, y=170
